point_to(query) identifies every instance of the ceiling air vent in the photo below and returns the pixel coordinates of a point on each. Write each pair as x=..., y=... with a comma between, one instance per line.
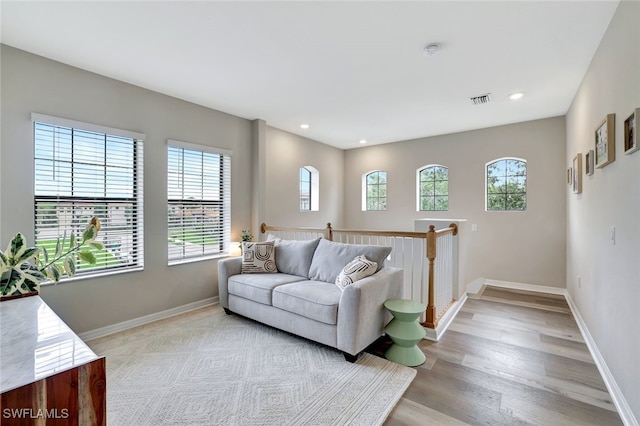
x=481, y=99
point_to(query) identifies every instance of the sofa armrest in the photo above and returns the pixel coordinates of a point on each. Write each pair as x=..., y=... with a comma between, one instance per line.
x=227, y=268
x=361, y=313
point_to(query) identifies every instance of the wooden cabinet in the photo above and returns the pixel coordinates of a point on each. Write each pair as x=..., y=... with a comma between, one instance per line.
x=48, y=375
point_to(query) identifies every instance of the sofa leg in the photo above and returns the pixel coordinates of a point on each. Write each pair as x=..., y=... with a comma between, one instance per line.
x=349, y=357
x=228, y=311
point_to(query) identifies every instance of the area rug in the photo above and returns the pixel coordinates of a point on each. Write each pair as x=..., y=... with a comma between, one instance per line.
x=208, y=368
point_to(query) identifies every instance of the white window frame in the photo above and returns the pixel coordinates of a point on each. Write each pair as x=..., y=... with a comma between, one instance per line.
x=223, y=227
x=486, y=184
x=130, y=245
x=419, y=188
x=314, y=189
x=365, y=191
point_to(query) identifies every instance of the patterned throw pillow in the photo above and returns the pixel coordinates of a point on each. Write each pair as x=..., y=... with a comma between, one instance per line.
x=357, y=269
x=258, y=258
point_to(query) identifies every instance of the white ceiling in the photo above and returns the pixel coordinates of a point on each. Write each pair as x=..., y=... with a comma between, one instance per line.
x=351, y=70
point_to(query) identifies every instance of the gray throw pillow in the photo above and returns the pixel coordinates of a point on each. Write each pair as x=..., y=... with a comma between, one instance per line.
x=294, y=256
x=331, y=257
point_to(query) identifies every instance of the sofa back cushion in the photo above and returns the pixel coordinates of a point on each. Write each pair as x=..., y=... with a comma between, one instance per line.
x=330, y=257
x=294, y=257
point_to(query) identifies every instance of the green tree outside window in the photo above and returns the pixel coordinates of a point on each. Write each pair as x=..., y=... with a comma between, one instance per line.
x=507, y=185
x=376, y=187
x=434, y=188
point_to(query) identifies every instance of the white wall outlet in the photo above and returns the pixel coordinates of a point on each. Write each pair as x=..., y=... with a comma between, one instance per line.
x=474, y=227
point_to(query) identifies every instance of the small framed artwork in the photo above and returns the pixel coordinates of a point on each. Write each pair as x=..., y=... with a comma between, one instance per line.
x=605, y=139
x=577, y=174
x=631, y=133
x=588, y=163
x=569, y=176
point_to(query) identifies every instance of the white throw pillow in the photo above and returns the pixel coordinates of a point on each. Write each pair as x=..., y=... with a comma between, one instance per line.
x=357, y=269
x=258, y=258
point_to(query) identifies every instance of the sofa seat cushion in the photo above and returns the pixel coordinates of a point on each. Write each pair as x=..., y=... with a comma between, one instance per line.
x=316, y=300
x=258, y=287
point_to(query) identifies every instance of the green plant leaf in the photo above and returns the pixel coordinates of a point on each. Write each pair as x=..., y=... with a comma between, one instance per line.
x=70, y=266
x=30, y=284
x=87, y=256
x=58, y=248
x=32, y=277
x=89, y=233
x=5, y=281
x=14, y=278
x=27, y=254
x=32, y=272
x=16, y=244
x=53, y=273
x=72, y=241
x=46, y=255
x=96, y=245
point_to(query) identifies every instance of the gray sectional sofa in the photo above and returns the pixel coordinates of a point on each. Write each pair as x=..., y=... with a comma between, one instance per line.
x=302, y=297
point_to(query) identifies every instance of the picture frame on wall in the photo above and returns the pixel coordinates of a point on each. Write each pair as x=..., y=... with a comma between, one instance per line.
x=577, y=174
x=631, y=132
x=588, y=163
x=605, y=142
x=569, y=176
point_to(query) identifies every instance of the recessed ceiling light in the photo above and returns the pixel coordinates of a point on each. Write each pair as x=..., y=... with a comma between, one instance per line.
x=516, y=96
x=363, y=141
x=304, y=126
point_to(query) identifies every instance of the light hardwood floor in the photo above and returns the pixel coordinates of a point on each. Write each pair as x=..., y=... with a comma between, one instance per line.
x=510, y=357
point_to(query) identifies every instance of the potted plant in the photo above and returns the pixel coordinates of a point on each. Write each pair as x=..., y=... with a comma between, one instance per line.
x=23, y=268
x=246, y=237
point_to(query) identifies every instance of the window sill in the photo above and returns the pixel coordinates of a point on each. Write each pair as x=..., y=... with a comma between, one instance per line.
x=199, y=259
x=92, y=276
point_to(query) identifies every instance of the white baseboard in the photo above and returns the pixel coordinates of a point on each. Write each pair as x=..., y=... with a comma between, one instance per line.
x=444, y=322
x=121, y=326
x=616, y=394
x=475, y=286
x=528, y=287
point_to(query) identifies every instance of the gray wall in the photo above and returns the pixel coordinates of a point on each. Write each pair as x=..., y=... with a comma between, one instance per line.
x=609, y=294
x=34, y=84
x=525, y=247
x=285, y=154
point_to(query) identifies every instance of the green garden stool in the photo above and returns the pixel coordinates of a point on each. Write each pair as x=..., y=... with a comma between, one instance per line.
x=405, y=332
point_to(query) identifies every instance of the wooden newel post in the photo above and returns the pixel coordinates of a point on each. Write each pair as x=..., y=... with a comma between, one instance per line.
x=431, y=320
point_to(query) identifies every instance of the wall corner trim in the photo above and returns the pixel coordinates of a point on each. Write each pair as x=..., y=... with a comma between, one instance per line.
x=125, y=325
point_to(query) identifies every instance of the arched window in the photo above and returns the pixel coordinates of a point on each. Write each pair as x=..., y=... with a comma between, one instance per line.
x=506, y=183
x=433, y=188
x=309, y=189
x=374, y=191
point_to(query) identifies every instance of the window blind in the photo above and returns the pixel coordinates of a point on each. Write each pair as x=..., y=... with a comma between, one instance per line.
x=199, y=201
x=83, y=173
